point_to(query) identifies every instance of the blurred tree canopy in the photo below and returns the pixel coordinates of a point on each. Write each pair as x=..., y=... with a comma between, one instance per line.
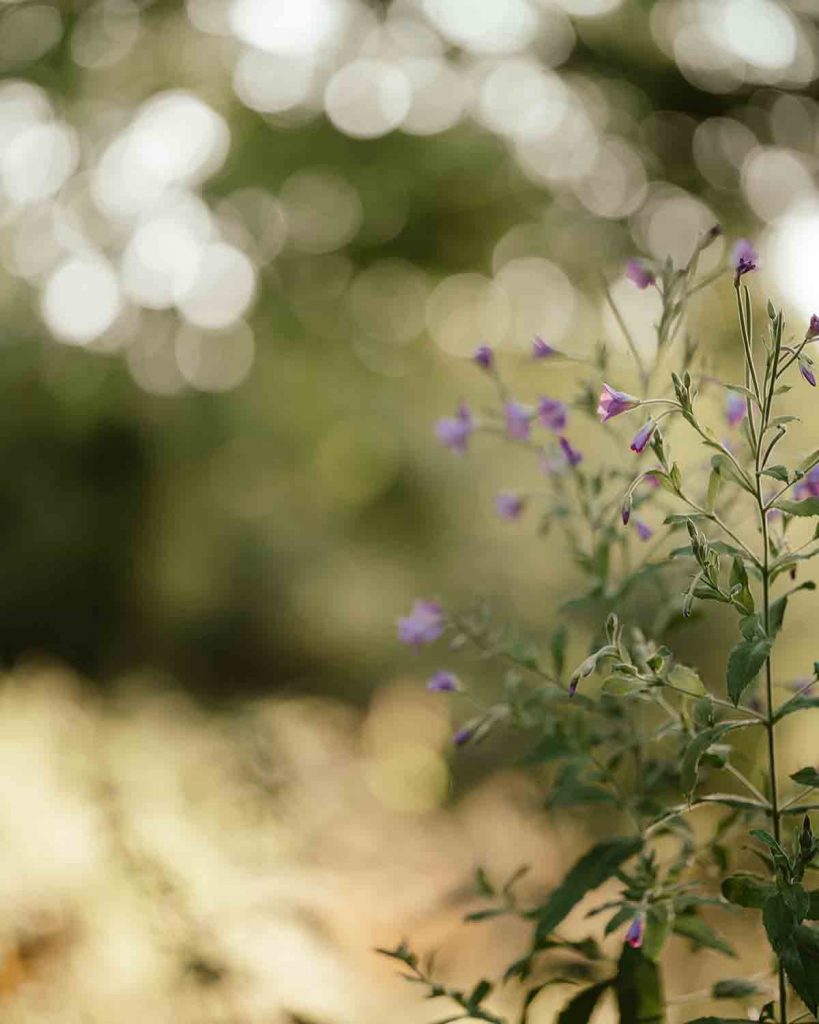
x=245, y=249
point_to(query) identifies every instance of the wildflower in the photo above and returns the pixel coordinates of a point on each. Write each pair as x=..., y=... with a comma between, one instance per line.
x=612, y=402
x=517, y=421
x=443, y=682
x=643, y=436
x=552, y=414
x=463, y=736
x=572, y=455
x=509, y=505
x=423, y=625
x=541, y=349
x=813, y=328
x=483, y=357
x=744, y=258
x=806, y=369
x=639, y=274
x=644, y=531
x=636, y=931
x=454, y=431
x=808, y=486
x=735, y=408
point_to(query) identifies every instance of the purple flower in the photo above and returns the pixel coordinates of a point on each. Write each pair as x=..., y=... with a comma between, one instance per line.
x=552, y=413
x=542, y=349
x=644, y=531
x=651, y=481
x=639, y=274
x=443, y=682
x=518, y=420
x=509, y=505
x=808, y=486
x=744, y=258
x=735, y=408
x=636, y=931
x=643, y=436
x=483, y=357
x=612, y=402
x=573, y=456
x=625, y=511
x=807, y=372
x=423, y=625
x=463, y=736
x=813, y=328
x=454, y=431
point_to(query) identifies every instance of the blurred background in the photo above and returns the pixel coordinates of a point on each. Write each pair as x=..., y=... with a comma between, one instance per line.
x=246, y=247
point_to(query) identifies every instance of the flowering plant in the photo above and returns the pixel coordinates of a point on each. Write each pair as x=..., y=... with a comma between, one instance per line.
x=631, y=728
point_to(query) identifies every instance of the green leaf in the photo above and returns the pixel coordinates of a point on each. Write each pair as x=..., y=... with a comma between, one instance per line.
x=557, y=648
x=744, y=662
x=798, y=703
x=734, y=988
x=580, y=1009
x=797, y=947
x=805, y=507
x=623, y=686
x=719, y=1020
x=639, y=989
x=690, y=926
x=777, y=472
x=479, y=993
x=658, y=925
x=593, y=868
x=808, y=463
x=726, y=468
x=695, y=750
x=746, y=890
x=687, y=679
x=806, y=777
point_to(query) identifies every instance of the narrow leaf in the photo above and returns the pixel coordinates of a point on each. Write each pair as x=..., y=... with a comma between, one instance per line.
x=594, y=868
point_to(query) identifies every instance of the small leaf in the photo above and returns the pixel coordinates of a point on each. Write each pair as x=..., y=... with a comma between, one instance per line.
x=777, y=472
x=744, y=662
x=580, y=1009
x=695, y=750
x=593, y=868
x=690, y=926
x=687, y=679
x=746, y=890
x=805, y=507
x=734, y=988
x=806, y=777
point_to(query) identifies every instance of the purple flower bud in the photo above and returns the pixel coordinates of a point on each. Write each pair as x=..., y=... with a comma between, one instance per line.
x=745, y=258
x=572, y=455
x=542, y=349
x=643, y=436
x=463, y=736
x=423, y=625
x=644, y=531
x=443, y=682
x=518, y=420
x=625, y=511
x=807, y=372
x=509, y=505
x=639, y=274
x=636, y=932
x=454, y=431
x=813, y=328
x=612, y=402
x=573, y=685
x=735, y=408
x=552, y=414
x=483, y=357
